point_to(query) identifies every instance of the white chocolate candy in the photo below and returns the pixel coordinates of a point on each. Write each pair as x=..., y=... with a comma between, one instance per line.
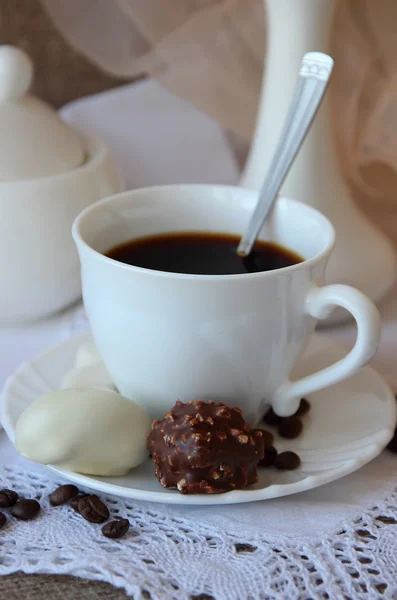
x=89, y=371
x=93, y=375
x=87, y=354
x=97, y=432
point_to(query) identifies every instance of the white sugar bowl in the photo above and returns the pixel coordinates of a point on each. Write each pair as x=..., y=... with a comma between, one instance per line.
x=49, y=173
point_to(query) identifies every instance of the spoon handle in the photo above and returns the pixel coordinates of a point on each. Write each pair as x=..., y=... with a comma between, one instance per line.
x=314, y=74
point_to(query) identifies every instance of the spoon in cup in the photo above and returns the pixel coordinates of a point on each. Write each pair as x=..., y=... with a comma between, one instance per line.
x=314, y=75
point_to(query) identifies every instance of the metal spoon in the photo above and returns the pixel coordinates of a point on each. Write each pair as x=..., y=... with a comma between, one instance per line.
x=314, y=75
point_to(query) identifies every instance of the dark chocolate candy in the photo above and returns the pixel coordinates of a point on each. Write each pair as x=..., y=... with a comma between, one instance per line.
x=268, y=437
x=205, y=448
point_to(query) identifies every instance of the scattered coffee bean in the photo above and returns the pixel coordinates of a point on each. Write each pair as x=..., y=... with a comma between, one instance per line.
x=93, y=509
x=290, y=428
x=392, y=445
x=25, y=510
x=303, y=409
x=287, y=461
x=271, y=418
x=74, y=502
x=268, y=437
x=116, y=529
x=63, y=494
x=269, y=457
x=3, y=520
x=8, y=498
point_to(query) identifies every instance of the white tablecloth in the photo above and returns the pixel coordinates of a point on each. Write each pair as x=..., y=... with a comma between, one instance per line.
x=296, y=549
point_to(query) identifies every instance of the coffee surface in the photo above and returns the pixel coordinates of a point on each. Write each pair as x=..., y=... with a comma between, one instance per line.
x=203, y=253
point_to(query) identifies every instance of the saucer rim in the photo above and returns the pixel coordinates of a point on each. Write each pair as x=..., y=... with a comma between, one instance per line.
x=379, y=441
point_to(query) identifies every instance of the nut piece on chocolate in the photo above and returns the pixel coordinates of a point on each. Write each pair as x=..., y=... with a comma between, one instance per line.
x=268, y=437
x=205, y=448
x=63, y=494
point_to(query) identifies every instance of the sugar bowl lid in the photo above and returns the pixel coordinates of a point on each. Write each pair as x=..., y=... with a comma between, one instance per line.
x=34, y=141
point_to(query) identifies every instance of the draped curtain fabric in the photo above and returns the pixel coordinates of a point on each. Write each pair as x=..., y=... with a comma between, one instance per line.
x=211, y=53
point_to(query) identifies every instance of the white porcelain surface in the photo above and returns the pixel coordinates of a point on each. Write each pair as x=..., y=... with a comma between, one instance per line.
x=348, y=425
x=39, y=266
x=363, y=257
x=233, y=338
x=34, y=141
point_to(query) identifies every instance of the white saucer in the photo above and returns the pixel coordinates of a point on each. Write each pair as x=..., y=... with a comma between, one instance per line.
x=348, y=425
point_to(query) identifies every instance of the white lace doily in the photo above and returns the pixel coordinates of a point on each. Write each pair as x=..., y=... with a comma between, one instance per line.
x=173, y=557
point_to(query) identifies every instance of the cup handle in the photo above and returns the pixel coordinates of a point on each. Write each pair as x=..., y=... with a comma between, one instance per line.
x=320, y=303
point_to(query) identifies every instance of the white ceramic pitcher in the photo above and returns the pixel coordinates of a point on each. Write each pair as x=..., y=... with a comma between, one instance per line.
x=363, y=257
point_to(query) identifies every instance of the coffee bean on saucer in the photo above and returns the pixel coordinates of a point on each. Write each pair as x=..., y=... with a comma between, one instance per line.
x=63, y=494
x=93, y=509
x=268, y=437
x=271, y=418
x=3, y=520
x=290, y=428
x=269, y=457
x=392, y=445
x=287, y=461
x=116, y=529
x=25, y=510
x=74, y=502
x=303, y=409
x=8, y=498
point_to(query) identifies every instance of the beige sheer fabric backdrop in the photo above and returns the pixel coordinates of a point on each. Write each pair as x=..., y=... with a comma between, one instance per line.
x=211, y=53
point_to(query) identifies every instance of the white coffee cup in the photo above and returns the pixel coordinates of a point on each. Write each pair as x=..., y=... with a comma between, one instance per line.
x=231, y=338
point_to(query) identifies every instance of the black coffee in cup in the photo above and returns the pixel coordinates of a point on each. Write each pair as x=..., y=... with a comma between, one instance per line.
x=201, y=253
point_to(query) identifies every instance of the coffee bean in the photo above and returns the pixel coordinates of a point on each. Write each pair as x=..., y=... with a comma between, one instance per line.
x=26, y=510
x=8, y=498
x=290, y=427
x=269, y=457
x=74, y=502
x=267, y=436
x=3, y=520
x=63, y=494
x=303, y=409
x=116, y=529
x=271, y=418
x=287, y=461
x=93, y=509
x=392, y=445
